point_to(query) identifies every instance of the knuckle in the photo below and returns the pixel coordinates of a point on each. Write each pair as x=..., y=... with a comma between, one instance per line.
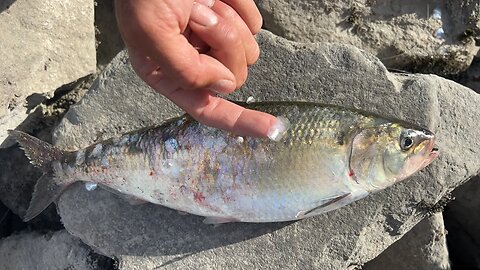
x=256, y=26
x=229, y=14
x=231, y=35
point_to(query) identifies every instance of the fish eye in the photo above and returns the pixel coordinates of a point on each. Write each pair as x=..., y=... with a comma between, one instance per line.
x=406, y=143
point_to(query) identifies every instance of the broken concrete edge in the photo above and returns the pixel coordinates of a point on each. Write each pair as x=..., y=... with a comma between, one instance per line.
x=424, y=247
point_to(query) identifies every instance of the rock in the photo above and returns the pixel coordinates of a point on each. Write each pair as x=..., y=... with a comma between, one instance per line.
x=4, y=212
x=424, y=247
x=17, y=175
x=58, y=250
x=150, y=236
x=404, y=36
x=462, y=217
x=45, y=44
x=471, y=77
x=109, y=41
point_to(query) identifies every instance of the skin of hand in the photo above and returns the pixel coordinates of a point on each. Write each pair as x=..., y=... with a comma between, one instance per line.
x=190, y=51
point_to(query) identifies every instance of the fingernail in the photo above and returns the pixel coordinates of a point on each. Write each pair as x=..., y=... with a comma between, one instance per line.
x=278, y=129
x=222, y=87
x=203, y=15
x=208, y=3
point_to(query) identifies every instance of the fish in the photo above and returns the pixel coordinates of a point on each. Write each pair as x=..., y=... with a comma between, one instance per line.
x=329, y=157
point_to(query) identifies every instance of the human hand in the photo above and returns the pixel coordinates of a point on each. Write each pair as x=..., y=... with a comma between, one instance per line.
x=190, y=50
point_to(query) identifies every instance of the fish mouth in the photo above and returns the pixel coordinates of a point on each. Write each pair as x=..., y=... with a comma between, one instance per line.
x=432, y=152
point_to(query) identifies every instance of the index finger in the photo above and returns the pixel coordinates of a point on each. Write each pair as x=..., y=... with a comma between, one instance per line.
x=217, y=112
x=249, y=12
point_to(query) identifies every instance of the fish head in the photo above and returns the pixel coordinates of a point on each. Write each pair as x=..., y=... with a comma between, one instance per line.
x=385, y=154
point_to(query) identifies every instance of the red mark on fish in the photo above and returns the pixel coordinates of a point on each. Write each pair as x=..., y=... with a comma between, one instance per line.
x=198, y=197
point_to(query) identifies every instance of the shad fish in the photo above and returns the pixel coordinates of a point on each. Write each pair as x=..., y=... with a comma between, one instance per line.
x=329, y=157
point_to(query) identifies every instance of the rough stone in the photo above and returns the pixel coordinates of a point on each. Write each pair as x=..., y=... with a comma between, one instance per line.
x=462, y=217
x=471, y=77
x=150, y=236
x=424, y=247
x=109, y=41
x=4, y=211
x=45, y=45
x=403, y=34
x=58, y=250
x=17, y=175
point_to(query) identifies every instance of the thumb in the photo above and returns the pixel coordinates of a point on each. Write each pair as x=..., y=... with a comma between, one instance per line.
x=164, y=43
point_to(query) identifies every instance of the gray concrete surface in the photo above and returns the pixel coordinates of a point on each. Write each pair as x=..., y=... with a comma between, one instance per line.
x=45, y=45
x=424, y=247
x=149, y=236
x=53, y=251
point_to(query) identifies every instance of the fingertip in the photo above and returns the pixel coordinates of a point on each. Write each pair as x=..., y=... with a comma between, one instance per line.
x=253, y=53
x=254, y=123
x=278, y=129
x=257, y=25
x=242, y=77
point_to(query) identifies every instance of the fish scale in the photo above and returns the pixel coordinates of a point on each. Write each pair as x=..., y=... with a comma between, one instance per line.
x=194, y=168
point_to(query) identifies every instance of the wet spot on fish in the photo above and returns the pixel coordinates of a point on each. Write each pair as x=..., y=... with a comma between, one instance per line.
x=90, y=186
x=215, y=144
x=80, y=158
x=97, y=150
x=170, y=168
x=171, y=145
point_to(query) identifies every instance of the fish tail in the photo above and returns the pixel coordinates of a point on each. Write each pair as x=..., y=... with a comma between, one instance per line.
x=47, y=158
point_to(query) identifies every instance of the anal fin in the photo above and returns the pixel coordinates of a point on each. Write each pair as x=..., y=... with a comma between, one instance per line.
x=322, y=208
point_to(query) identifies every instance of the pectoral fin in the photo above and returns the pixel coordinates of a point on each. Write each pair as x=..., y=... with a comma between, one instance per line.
x=219, y=220
x=322, y=208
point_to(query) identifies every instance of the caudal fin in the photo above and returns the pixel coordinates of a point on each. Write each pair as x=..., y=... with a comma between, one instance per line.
x=48, y=159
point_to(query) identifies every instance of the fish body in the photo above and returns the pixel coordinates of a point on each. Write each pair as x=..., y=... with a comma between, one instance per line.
x=329, y=157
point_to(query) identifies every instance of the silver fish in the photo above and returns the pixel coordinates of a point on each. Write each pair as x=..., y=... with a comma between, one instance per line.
x=330, y=157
